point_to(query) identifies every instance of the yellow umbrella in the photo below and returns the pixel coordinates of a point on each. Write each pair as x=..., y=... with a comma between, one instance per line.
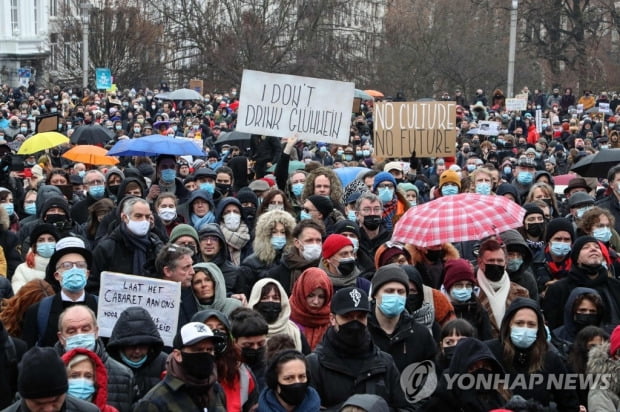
x=41, y=141
x=90, y=154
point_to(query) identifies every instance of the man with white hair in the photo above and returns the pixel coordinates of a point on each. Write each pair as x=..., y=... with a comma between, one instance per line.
x=95, y=184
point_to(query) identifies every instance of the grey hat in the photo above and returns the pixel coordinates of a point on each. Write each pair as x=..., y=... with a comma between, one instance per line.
x=580, y=198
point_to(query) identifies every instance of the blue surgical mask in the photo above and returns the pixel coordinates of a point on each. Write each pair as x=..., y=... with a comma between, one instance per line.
x=386, y=194
x=225, y=152
x=323, y=149
x=351, y=215
x=560, y=248
x=514, y=264
x=339, y=152
x=449, y=190
x=168, y=175
x=582, y=210
x=118, y=127
x=523, y=338
x=366, y=153
x=348, y=157
x=74, y=279
x=507, y=170
x=462, y=294
x=471, y=168
x=602, y=234
x=483, y=188
x=30, y=209
x=278, y=242
x=413, y=203
x=356, y=244
x=46, y=249
x=81, y=340
x=303, y=215
x=137, y=130
x=297, y=189
x=81, y=388
x=9, y=207
x=209, y=187
x=96, y=192
x=392, y=304
x=359, y=153
x=525, y=178
x=133, y=364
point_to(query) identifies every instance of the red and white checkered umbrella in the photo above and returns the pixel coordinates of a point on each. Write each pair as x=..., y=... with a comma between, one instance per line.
x=467, y=216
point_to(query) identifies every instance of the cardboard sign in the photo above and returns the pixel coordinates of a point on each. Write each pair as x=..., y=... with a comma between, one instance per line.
x=604, y=108
x=486, y=128
x=516, y=104
x=161, y=298
x=197, y=85
x=429, y=128
x=522, y=96
x=284, y=105
x=103, y=78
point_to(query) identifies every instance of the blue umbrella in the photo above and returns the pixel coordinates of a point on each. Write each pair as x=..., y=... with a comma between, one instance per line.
x=154, y=145
x=347, y=174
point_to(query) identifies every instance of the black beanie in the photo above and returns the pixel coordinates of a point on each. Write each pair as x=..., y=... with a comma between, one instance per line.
x=578, y=245
x=42, y=374
x=246, y=195
x=530, y=209
x=323, y=204
x=558, y=224
x=389, y=273
x=58, y=202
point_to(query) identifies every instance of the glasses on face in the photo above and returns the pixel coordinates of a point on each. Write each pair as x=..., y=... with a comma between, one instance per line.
x=385, y=185
x=95, y=183
x=210, y=239
x=69, y=265
x=368, y=210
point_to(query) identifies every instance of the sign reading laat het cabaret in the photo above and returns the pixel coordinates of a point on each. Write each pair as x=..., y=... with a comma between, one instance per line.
x=428, y=128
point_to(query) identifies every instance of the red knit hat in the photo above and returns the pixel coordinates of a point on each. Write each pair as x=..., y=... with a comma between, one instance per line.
x=334, y=243
x=614, y=341
x=456, y=270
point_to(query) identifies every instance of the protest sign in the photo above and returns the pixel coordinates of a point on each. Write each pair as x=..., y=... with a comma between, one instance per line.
x=516, y=104
x=161, y=298
x=429, y=128
x=522, y=96
x=103, y=78
x=486, y=128
x=196, y=84
x=604, y=108
x=284, y=105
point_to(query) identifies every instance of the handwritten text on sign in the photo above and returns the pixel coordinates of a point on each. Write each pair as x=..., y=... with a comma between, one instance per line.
x=161, y=298
x=429, y=128
x=284, y=105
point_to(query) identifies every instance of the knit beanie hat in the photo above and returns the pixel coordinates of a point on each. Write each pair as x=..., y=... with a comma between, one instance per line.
x=246, y=195
x=388, y=273
x=386, y=252
x=383, y=177
x=45, y=228
x=558, y=224
x=42, y=374
x=323, y=204
x=183, y=230
x=579, y=244
x=614, y=341
x=531, y=209
x=55, y=201
x=449, y=176
x=334, y=243
x=456, y=270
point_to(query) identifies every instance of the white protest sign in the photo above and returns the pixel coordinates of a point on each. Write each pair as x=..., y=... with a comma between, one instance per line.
x=284, y=105
x=161, y=298
x=486, y=128
x=604, y=108
x=516, y=104
x=580, y=108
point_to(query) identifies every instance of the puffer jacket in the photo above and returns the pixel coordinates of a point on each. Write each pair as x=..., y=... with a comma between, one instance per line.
x=136, y=327
x=603, y=398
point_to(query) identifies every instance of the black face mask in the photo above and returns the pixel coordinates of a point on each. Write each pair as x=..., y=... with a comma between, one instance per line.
x=55, y=218
x=372, y=222
x=253, y=357
x=294, y=393
x=198, y=365
x=352, y=333
x=493, y=272
x=222, y=343
x=590, y=269
x=248, y=212
x=269, y=310
x=224, y=188
x=535, y=229
x=346, y=267
x=113, y=189
x=448, y=352
x=586, y=319
x=434, y=255
x=414, y=302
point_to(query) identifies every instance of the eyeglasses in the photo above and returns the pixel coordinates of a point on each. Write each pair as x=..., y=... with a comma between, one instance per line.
x=210, y=238
x=385, y=185
x=368, y=210
x=69, y=265
x=95, y=183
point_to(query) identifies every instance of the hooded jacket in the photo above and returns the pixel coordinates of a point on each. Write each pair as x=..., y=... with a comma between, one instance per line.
x=219, y=218
x=601, y=398
x=229, y=270
x=524, y=275
x=569, y=329
x=136, y=327
x=220, y=301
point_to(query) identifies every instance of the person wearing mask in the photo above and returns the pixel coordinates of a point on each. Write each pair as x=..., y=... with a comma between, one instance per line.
x=496, y=290
x=339, y=263
x=288, y=387
x=611, y=201
x=522, y=348
x=236, y=232
x=348, y=352
x=43, y=247
x=599, y=223
x=373, y=232
x=166, y=180
x=249, y=206
x=191, y=379
x=166, y=208
x=587, y=270
x=77, y=328
x=557, y=262
x=524, y=176
x=533, y=231
x=94, y=181
x=604, y=359
x=519, y=262
x=394, y=202
x=213, y=248
x=579, y=355
x=249, y=330
x=451, y=334
x=449, y=183
x=136, y=343
x=350, y=229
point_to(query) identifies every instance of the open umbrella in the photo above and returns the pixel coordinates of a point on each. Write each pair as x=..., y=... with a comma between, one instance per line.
x=467, y=216
x=183, y=94
x=375, y=93
x=293, y=165
x=154, y=145
x=360, y=94
x=93, y=134
x=234, y=136
x=347, y=174
x=598, y=164
x=41, y=141
x=92, y=155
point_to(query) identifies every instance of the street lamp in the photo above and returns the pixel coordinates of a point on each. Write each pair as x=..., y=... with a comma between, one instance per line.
x=512, y=48
x=85, y=6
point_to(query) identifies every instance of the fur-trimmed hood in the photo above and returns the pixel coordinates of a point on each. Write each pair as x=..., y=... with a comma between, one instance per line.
x=418, y=256
x=600, y=362
x=5, y=221
x=262, y=233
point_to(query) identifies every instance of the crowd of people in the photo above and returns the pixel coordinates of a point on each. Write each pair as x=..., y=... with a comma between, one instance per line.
x=294, y=294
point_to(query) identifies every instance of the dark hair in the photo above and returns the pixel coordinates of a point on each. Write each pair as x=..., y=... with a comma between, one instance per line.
x=169, y=254
x=227, y=170
x=460, y=327
x=246, y=322
x=57, y=171
x=595, y=299
x=491, y=245
x=269, y=196
x=308, y=223
x=578, y=353
x=278, y=343
x=279, y=359
x=268, y=288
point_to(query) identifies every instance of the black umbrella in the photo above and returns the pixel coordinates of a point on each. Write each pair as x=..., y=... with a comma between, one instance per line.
x=598, y=164
x=234, y=136
x=94, y=134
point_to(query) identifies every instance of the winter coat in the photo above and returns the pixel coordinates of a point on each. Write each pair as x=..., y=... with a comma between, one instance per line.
x=524, y=275
x=219, y=218
x=229, y=270
x=514, y=292
x=291, y=265
x=432, y=272
x=220, y=301
x=121, y=384
x=11, y=352
x=267, y=402
x=9, y=244
x=100, y=397
x=611, y=203
x=24, y=274
x=369, y=246
x=136, y=327
x=71, y=405
x=473, y=312
x=79, y=211
x=601, y=398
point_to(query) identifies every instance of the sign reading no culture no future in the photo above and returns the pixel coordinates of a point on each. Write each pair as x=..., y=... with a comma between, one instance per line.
x=429, y=128
x=284, y=105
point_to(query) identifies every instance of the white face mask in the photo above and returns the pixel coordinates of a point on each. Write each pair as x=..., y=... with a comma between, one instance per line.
x=167, y=213
x=312, y=252
x=232, y=221
x=138, y=227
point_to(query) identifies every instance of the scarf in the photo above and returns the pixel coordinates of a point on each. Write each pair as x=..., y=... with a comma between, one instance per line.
x=497, y=294
x=342, y=348
x=389, y=209
x=340, y=281
x=296, y=264
x=197, y=389
x=236, y=240
x=314, y=321
x=558, y=270
x=200, y=222
x=535, y=246
x=140, y=246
